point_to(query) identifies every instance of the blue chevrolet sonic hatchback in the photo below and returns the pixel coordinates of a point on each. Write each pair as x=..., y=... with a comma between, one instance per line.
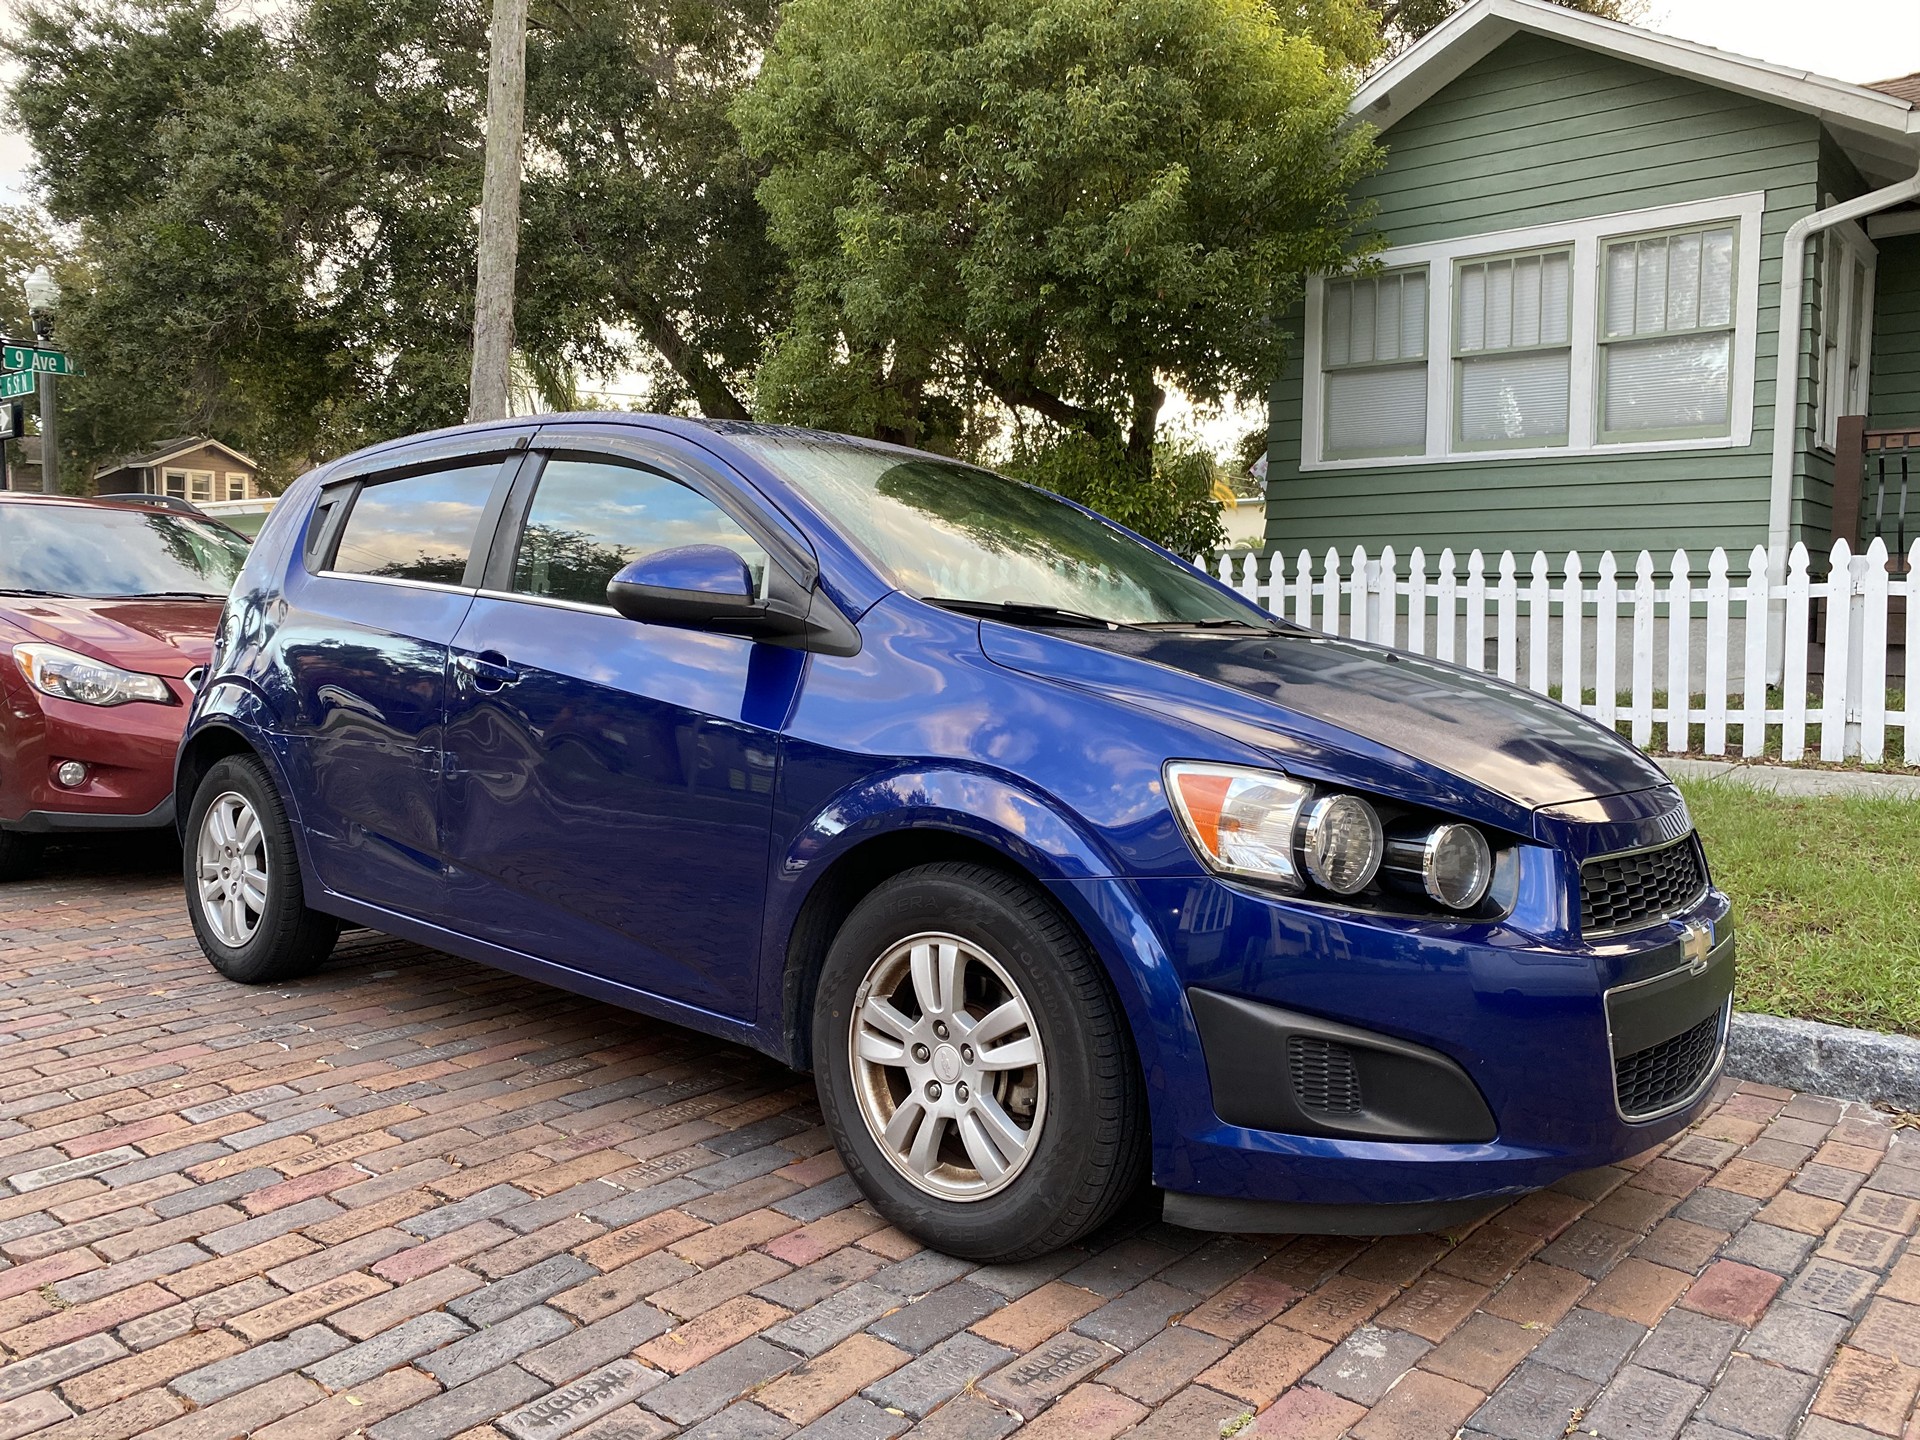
x=1060, y=865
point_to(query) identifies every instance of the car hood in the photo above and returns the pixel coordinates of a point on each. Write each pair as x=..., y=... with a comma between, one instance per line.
x=157, y=637
x=1284, y=692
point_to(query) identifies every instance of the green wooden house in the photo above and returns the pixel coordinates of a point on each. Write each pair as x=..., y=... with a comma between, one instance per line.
x=1573, y=340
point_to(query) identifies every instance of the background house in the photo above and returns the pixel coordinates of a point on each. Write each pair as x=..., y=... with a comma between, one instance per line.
x=192, y=467
x=1573, y=339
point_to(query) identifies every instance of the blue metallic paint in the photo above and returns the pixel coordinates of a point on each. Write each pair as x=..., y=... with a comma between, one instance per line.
x=519, y=826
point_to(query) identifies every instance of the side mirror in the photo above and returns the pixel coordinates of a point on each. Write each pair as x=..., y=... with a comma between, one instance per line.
x=698, y=587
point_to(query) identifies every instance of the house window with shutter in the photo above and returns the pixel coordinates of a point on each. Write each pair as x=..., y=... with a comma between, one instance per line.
x=1374, y=362
x=1513, y=350
x=1666, y=335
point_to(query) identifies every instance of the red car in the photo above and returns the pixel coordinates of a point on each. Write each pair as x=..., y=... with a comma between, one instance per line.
x=107, y=616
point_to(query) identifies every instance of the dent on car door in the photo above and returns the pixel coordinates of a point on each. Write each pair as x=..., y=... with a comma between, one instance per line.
x=610, y=784
x=364, y=642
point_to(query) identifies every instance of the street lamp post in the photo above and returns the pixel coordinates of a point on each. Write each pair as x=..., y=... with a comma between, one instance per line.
x=43, y=299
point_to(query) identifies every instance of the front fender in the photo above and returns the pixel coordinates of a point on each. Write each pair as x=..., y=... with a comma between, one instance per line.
x=1030, y=833
x=235, y=706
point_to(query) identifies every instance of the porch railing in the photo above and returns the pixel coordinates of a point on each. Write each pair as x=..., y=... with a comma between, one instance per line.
x=1876, y=486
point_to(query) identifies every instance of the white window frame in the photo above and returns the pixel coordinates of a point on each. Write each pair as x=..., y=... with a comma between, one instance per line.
x=167, y=477
x=1462, y=358
x=199, y=486
x=1586, y=238
x=236, y=485
x=1835, y=336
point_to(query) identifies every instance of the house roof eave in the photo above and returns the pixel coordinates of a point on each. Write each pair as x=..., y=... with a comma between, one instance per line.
x=1874, y=126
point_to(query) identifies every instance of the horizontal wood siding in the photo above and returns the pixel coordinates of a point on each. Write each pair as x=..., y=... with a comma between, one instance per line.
x=1540, y=132
x=1894, y=386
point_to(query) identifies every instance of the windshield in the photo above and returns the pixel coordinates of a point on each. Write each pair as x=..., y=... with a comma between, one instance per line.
x=948, y=532
x=114, y=553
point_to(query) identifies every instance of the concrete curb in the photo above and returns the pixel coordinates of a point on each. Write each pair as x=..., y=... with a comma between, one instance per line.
x=1787, y=780
x=1832, y=1060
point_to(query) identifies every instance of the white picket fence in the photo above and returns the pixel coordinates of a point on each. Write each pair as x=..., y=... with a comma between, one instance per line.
x=1696, y=649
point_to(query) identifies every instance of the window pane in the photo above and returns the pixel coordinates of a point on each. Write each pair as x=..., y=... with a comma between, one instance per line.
x=1413, y=314
x=177, y=483
x=1683, y=284
x=1650, y=287
x=1716, y=277
x=419, y=528
x=589, y=518
x=1377, y=412
x=1514, y=397
x=1620, y=269
x=1339, y=323
x=1526, y=301
x=1473, y=308
x=1556, y=299
x=1364, y=305
x=1660, y=385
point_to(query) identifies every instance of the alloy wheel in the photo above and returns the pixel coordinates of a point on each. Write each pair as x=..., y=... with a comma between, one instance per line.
x=233, y=870
x=948, y=1066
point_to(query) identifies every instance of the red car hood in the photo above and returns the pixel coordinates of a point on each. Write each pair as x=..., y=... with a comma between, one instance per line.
x=157, y=637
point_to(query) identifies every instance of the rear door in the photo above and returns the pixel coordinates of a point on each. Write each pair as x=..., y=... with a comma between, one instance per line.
x=610, y=784
x=383, y=586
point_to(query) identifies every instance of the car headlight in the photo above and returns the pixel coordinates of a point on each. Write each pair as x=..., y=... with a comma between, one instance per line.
x=67, y=676
x=1452, y=863
x=1341, y=843
x=1242, y=821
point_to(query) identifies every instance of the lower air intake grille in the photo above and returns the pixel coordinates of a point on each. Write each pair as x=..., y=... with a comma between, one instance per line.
x=1621, y=892
x=1324, y=1079
x=1660, y=1076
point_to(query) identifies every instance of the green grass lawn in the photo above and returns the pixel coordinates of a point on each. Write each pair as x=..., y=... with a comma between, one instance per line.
x=1826, y=896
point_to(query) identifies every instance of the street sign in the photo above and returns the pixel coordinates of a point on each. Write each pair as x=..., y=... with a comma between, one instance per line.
x=12, y=387
x=40, y=362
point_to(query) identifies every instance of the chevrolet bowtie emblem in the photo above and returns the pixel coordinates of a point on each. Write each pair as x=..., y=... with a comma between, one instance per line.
x=1696, y=944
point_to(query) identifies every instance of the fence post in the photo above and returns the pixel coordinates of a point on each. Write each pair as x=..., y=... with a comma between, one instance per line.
x=1716, y=658
x=1303, y=593
x=1539, y=625
x=1443, y=632
x=1572, y=616
x=1384, y=621
x=1417, y=601
x=1873, y=654
x=1759, y=613
x=1793, y=641
x=1507, y=613
x=1838, y=677
x=1606, y=635
x=1911, y=684
x=1680, y=655
x=1476, y=655
x=1330, y=594
x=1644, y=598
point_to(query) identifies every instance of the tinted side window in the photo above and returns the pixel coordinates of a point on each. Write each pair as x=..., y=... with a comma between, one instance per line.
x=589, y=518
x=419, y=528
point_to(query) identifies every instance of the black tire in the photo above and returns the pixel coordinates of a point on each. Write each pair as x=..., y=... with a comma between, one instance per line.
x=19, y=855
x=288, y=940
x=1089, y=1145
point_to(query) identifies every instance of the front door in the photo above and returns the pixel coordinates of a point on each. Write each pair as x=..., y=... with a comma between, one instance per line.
x=609, y=793
x=364, y=638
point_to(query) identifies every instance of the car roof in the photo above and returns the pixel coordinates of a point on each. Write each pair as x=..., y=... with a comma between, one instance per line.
x=22, y=497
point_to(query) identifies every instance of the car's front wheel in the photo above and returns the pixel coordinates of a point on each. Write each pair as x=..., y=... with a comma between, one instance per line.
x=243, y=885
x=974, y=1066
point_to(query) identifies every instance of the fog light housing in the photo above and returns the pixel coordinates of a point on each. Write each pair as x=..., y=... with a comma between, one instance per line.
x=71, y=773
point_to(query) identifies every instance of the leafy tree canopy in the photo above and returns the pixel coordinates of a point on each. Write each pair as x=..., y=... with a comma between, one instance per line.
x=275, y=218
x=1060, y=205
x=1401, y=22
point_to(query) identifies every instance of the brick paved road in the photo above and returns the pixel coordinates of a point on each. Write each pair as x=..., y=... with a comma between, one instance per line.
x=413, y=1198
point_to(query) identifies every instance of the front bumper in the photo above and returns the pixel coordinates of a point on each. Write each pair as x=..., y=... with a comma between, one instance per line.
x=128, y=751
x=1529, y=1024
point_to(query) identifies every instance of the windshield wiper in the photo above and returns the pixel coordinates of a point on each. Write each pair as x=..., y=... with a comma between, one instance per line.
x=1211, y=622
x=48, y=594
x=173, y=595
x=1018, y=610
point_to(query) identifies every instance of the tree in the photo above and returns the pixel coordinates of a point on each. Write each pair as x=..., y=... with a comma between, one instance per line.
x=276, y=217
x=1402, y=22
x=1061, y=205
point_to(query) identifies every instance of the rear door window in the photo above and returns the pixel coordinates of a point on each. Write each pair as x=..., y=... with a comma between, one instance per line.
x=421, y=527
x=590, y=517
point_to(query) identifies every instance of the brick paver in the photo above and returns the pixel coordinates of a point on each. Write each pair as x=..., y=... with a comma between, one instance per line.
x=414, y=1199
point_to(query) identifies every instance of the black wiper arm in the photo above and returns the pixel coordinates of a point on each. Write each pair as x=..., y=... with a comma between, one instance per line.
x=1024, y=610
x=49, y=594
x=173, y=595
x=1212, y=622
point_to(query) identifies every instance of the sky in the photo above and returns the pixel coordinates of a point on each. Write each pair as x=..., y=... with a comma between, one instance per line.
x=1855, y=40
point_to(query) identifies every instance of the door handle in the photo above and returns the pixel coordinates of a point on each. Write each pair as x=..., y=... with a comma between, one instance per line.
x=488, y=671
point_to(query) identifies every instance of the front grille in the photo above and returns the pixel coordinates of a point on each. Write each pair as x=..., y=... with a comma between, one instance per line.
x=1324, y=1080
x=1620, y=892
x=1661, y=1076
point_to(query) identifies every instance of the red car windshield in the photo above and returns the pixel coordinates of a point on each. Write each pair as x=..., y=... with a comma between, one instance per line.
x=83, y=550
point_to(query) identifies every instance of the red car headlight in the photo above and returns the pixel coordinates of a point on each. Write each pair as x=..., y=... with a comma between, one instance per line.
x=67, y=676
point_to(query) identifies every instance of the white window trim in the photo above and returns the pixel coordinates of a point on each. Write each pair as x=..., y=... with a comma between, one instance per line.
x=1586, y=238
x=1836, y=306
